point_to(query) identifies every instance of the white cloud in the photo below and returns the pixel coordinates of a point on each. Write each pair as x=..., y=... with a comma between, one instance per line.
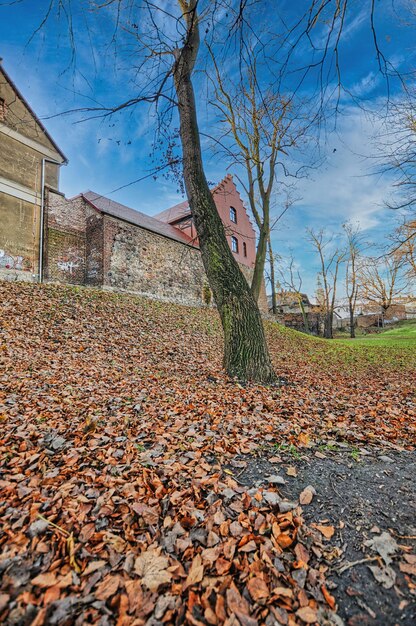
x=366, y=84
x=346, y=187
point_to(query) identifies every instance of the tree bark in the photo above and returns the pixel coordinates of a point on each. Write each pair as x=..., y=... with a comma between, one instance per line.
x=246, y=355
x=304, y=316
x=352, y=326
x=272, y=276
x=258, y=273
x=328, y=334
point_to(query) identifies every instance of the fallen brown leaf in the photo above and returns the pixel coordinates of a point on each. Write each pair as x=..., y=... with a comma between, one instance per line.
x=152, y=568
x=307, y=615
x=257, y=588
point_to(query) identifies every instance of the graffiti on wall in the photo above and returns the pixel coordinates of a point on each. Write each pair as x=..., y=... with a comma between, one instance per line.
x=14, y=262
x=69, y=263
x=68, y=266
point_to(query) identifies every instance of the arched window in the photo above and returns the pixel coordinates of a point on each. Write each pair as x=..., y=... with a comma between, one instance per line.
x=233, y=215
x=244, y=248
x=234, y=244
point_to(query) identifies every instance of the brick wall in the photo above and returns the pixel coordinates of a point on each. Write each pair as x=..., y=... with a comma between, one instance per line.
x=147, y=263
x=397, y=311
x=66, y=215
x=65, y=233
x=66, y=257
x=94, y=247
x=295, y=321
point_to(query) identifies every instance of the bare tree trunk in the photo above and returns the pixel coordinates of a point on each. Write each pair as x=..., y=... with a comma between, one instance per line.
x=258, y=273
x=245, y=350
x=328, y=333
x=304, y=316
x=352, y=324
x=272, y=276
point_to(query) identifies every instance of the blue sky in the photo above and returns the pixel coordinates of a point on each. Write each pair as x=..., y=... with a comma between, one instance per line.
x=106, y=154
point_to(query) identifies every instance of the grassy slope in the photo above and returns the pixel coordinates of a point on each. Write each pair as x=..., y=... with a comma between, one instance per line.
x=403, y=334
x=70, y=349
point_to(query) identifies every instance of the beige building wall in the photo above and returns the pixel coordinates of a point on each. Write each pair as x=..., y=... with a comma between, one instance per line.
x=24, y=144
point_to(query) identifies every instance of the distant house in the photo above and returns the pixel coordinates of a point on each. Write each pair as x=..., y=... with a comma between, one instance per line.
x=369, y=314
x=410, y=308
x=29, y=160
x=290, y=302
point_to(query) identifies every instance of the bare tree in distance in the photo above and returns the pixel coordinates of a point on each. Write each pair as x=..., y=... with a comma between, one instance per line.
x=272, y=257
x=382, y=282
x=397, y=151
x=404, y=239
x=291, y=281
x=397, y=154
x=330, y=258
x=262, y=128
x=352, y=269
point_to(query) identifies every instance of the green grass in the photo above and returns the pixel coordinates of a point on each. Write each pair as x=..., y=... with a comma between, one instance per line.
x=402, y=334
x=405, y=327
x=288, y=448
x=393, y=351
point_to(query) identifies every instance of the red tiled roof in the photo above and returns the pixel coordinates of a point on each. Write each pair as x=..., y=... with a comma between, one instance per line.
x=175, y=213
x=115, y=209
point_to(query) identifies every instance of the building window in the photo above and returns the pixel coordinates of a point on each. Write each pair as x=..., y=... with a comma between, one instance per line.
x=3, y=109
x=233, y=215
x=234, y=244
x=244, y=248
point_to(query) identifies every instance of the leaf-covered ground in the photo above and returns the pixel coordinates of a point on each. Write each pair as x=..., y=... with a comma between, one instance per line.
x=121, y=447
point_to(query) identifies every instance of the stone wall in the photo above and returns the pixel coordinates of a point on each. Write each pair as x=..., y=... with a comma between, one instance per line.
x=87, y=247
x=248, y=273
x=149, y=264
x=94, y=249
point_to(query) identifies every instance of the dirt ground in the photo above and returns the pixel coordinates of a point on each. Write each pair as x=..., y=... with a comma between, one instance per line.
x=363, y=493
